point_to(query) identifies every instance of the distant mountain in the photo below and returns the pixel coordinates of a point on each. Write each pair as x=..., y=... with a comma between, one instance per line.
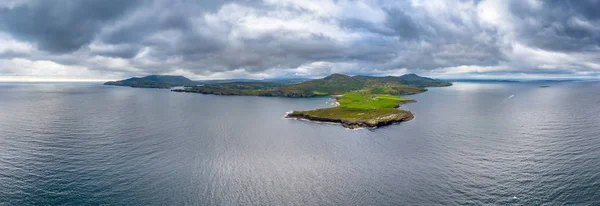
x=154, y=81
x=334, y=84
x=219, y=81
x=481, y=80
x=416, y=80
x=288, y=80
x=408, y=79
x=278, y=80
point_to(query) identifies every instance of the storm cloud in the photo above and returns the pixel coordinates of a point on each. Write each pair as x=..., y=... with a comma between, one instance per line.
x=110, y=39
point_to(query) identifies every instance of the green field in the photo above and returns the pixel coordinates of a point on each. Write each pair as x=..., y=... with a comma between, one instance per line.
x=369, y=101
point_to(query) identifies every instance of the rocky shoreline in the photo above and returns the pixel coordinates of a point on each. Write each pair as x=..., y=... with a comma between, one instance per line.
x=353, y=124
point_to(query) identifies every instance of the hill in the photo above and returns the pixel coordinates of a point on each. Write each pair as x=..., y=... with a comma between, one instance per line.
x=278, y=80
x=154, y=81
x=335, y=84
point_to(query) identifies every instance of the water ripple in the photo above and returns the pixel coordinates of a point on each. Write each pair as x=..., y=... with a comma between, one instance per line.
x=85, y=144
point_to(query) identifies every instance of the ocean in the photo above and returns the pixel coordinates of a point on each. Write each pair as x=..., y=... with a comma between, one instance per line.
x=502, y=143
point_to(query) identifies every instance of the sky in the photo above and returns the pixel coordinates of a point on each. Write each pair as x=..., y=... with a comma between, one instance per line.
x=96, y=40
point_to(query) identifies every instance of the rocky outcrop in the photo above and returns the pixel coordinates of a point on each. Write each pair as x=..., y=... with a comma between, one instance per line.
x=374, y=123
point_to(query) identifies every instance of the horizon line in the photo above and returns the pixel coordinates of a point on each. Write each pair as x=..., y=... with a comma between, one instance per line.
x=66, y=80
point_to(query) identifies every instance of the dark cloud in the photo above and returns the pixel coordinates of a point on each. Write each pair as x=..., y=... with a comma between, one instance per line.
x=403, y=25
x=562, y=25
x=125, y=51
x=210, y=36
x=61, y=25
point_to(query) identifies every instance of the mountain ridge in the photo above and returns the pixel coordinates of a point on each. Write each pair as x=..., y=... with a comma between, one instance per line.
x=154, y=81
x=334, y=84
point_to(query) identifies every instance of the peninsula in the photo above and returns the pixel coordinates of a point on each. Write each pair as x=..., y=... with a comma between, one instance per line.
x=363, y=101
x=357, y=110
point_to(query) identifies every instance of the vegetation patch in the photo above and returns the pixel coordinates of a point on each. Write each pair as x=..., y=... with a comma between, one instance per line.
x=360, y=110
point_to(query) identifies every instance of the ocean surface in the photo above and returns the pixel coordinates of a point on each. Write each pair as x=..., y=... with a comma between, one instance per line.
x=470, y=144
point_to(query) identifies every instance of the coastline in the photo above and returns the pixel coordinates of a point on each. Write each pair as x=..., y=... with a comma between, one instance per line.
x=358, y=101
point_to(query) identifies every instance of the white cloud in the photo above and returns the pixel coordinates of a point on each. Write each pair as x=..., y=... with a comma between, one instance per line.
x=551, y=60
x=11, y=3
x=469, y=69
x=18, y=69
x=8, y=44
x=249, y=23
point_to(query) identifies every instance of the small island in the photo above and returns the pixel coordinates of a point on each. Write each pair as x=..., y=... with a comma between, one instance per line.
x=357, y=110
x=363, y=101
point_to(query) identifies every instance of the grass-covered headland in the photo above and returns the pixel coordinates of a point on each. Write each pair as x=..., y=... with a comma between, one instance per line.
x=360, y=110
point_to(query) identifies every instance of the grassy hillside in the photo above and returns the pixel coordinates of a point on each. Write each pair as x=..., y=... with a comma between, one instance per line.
x=334, y=84
x=418, y=81
x=154, y=81
x=369, y=101
x=235, y=88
